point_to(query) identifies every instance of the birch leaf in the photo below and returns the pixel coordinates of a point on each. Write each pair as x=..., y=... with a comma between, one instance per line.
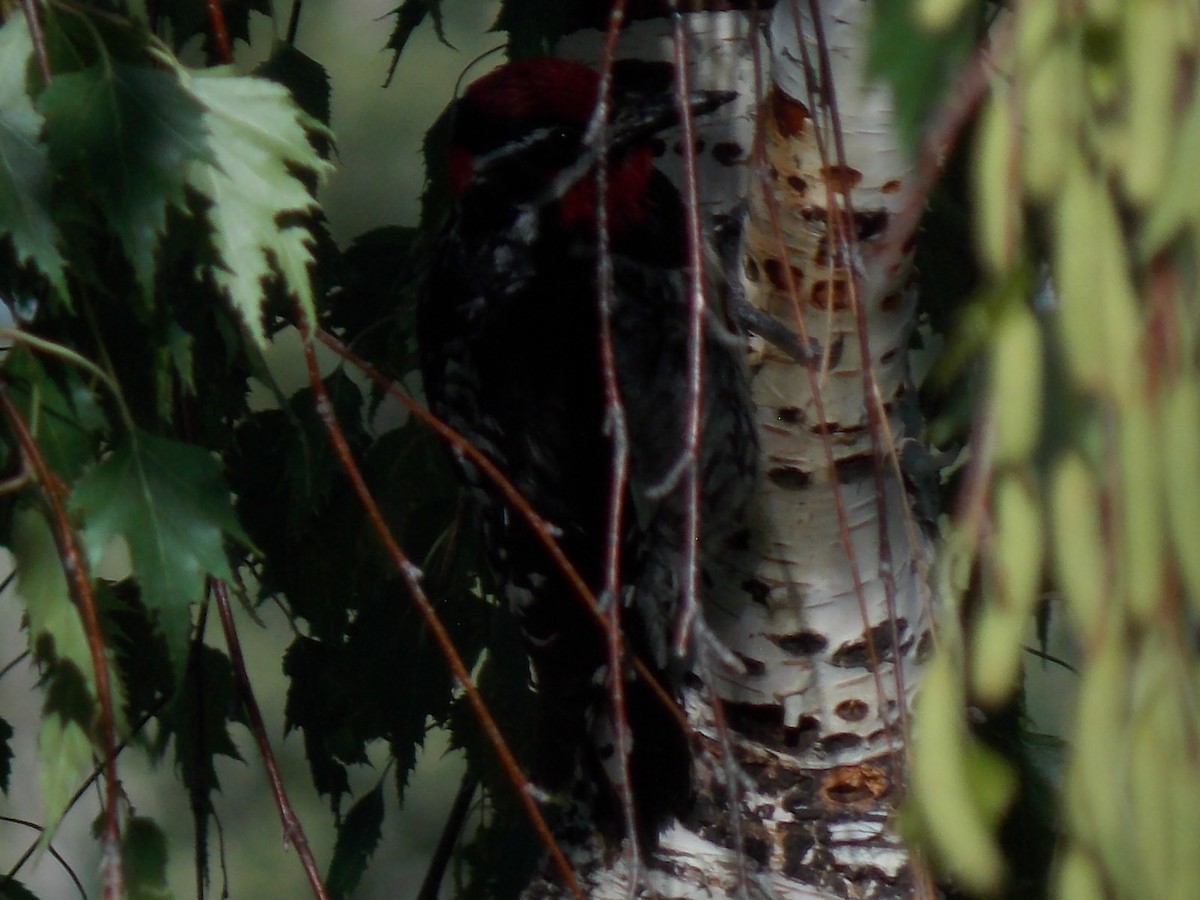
x=170, y=503
x=356, y=841
x=257, y=135
x=6, y=754
x=64, y=756
x=145, y=857
x=130, y=131
x=14, y=890
x=917, y=63
x=42, y=585
x=24, y=179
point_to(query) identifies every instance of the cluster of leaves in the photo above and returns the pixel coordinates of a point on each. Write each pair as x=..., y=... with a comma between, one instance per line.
x=158, y=227
x=143, y=206
x=1087, y=223
x=151, y=215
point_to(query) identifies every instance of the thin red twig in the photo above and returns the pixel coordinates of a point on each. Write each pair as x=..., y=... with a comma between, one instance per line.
x=74, y=564
x=616, y=425
x=37, y=37
x=219, y=31
x=411, y=575
x=79, y=792
x=293, y=831
x=540, y=528
x=695, y=343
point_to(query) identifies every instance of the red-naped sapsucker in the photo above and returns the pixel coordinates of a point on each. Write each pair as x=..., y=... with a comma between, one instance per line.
x=509, y=328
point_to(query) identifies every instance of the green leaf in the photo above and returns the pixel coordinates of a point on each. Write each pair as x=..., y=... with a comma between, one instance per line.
x=189, y=18
x=170, y=503
x=130, y=132
x=199, y=718
x=313, y=680
x=1178, y=206
x=533, y=26
x=409, y=16
x=14, y=890
x=257, y=135
x=356, y=841
x=24, y=180
x=62, y=412
x=55, y=629
x=918, y=64
x=64, y=755
x=303, y=76
x=959, y=787
x=312, y=534
x=145, y=857
x=6, y=754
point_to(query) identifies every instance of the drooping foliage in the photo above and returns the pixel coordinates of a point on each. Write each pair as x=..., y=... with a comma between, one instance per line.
x=160, y=225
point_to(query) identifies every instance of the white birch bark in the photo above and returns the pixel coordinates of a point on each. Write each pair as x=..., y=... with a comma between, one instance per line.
x=829, y=609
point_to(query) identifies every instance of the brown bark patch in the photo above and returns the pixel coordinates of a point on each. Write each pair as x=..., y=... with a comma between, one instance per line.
x=854, y=785
x=842, y=740
x=830, y=252
x=775, y=274
x=757, y=589
x=803, y=734
x=875, y=646
x=801, y=643
x=757, y=846
x=852, y=710
x=727, y=153
x=797, y=843
x=789, y=477
x=841, y=179
x=871, y=223
x=855, y=468
x=754, y=667
x=833, y=295
x=790, y=115
x=924, y=646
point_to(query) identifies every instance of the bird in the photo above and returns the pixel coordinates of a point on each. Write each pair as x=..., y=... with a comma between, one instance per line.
x=509, y=326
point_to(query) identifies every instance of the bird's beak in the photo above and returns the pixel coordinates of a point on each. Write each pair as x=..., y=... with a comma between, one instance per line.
x=637, y=118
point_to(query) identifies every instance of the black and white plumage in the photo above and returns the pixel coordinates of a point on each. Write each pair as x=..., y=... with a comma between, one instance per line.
x=509, y=327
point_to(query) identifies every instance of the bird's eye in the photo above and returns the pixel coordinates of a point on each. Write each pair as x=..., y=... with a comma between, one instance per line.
x=558, y=147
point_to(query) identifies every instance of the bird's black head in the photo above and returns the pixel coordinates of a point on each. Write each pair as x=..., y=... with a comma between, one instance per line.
x=526, y=129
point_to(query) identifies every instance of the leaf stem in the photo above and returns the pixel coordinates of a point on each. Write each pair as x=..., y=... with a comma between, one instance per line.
x=539, y=526
x=220, y=32
x=74, y=565
x=66, y=354
x=7, y=878
x=34, y=21
x=293, y=831
x=411, y=576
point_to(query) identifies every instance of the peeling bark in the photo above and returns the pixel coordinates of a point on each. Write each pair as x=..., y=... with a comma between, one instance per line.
x=826, y=606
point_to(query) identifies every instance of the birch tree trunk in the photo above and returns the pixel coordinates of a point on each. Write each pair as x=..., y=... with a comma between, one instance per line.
x=800, y=765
